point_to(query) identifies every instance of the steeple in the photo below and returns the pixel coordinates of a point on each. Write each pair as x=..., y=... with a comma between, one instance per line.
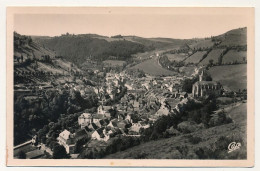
x=202, y=76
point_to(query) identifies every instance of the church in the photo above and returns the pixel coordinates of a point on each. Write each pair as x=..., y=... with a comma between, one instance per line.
x=203, y=88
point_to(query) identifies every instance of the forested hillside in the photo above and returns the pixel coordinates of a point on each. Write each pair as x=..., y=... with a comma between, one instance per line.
x=78, y=48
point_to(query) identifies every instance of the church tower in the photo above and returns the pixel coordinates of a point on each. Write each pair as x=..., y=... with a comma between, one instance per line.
x=202, y=76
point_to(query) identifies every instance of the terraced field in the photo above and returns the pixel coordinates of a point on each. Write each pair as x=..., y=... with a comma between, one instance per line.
x=176, y=57
x=196, y=57
x=213, y=55
x=234, y=55
x=232, y=77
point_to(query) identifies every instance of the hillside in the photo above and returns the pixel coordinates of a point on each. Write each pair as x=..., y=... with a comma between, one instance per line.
x=35, y=63
x=227, y=48
x=213, y=142
x=235, y=37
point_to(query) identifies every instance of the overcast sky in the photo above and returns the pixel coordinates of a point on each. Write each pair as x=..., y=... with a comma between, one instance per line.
x=144, y=22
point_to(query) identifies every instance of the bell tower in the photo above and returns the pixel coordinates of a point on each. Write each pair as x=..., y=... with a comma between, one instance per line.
x=202, y=76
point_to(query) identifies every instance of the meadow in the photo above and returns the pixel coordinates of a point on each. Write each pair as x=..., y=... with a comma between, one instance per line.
x=196, y=57
x=152, y=67
x=176, y=57
x=232, y=77
x=234, y=55
x=213, y=55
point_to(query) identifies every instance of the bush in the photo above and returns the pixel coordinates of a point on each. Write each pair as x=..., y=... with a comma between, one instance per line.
x=188, y=127
x=59, y=152
x=194, y=140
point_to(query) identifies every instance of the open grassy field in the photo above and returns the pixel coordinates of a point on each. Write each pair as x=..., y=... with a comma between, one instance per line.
x=187, y=70
x=114, y=63
x=152, y=67
x=196, y=57
x=234, y=55
x=232, y=77
x=213, y=55
x=176, y=57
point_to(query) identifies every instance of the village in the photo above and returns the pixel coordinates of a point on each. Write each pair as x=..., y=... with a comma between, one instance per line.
x=142, y=101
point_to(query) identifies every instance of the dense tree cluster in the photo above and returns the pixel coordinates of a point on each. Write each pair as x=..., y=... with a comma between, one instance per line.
x=116, y=144
x=31, y=115
x=78, y=48
x=197, y=113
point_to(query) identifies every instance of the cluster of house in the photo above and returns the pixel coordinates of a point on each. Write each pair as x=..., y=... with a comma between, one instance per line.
x=142, y=93
x=100, y=126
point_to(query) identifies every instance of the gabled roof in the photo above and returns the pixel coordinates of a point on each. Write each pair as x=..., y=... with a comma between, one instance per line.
x=65, y=134
x=98, y=116
x=100, y=132
x=80, y=133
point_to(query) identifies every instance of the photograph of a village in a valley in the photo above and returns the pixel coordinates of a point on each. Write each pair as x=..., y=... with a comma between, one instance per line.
x=130, y=83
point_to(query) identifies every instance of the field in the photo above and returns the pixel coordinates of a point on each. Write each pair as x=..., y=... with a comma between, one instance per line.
x=196, y=57
x=234, y=55
x=232, y=77
x=214, y=55
x=176, y=57
x=180, y=147
x=187, y=70
x=152, y=67
x=114, y=63
x=202, y=44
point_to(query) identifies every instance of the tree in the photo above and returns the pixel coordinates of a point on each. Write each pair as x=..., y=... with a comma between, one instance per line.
x=59, y=152
x=21, y=155
x=211, y=62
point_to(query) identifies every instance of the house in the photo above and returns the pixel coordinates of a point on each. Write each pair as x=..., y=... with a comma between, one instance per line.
x=104, y=109
x=98, y=117
x=67, y=140
x=92, y=127
x=84, y=119
x=137, y=126
x=164, y=110
x=101, y=134
x=129, y=85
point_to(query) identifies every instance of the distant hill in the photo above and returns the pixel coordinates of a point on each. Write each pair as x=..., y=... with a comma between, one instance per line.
x=235, y=37
x=79, y=48
x=227, y=48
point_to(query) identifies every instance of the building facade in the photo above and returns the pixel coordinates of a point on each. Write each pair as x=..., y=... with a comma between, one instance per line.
x=203, y=88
